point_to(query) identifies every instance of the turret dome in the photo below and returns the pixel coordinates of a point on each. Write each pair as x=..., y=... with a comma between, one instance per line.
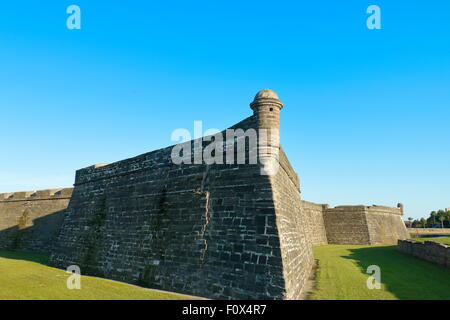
x=266, y=93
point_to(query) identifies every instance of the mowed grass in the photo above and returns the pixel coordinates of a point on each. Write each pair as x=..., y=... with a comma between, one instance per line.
x=444, y=240
x=342, y=275
x=25, y=276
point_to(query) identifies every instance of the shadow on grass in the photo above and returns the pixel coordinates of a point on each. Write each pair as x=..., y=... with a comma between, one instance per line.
x=26, y=256
x=406, y=277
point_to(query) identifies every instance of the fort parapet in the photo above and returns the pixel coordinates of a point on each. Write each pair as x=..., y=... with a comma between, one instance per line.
x=49, y=194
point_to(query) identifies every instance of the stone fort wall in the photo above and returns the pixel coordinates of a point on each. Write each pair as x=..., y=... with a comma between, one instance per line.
x=30, y=221
x=217, y=231
x=386, y=225
x=430, y=251
x=354, y=224
x=364, y=225
x=293, y=229
x=315, y=222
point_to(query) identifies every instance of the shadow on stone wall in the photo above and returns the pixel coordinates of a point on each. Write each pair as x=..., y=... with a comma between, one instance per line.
x=40, y=258
x=37, y=238
x=404, y=276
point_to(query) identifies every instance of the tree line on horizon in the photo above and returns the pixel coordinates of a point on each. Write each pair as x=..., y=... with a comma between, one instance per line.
x=437, y=219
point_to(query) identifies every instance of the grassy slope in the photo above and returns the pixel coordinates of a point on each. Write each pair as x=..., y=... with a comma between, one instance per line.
x=342, y=275
x=444, y=240
x=25, y=276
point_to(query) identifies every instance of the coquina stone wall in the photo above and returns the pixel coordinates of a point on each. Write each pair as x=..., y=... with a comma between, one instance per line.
x=386, y=225
x=217, y=231
x=364, y=225
x=30, y=221
x=431, y=251
x=346, y=225
x=196, y=229
x=293, y=229
x=314, y=214
x=221, y=231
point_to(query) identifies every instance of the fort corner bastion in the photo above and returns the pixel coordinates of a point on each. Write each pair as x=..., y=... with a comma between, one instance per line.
x=220, y=231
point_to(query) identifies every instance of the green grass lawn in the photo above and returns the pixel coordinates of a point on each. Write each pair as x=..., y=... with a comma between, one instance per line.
x=444, y=240
x=342, y=275
x=26, y=276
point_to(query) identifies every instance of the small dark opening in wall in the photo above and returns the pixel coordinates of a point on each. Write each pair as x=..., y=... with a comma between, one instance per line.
x=271, y=109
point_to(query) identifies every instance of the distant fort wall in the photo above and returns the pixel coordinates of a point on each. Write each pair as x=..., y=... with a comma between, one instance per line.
x=419, y=232
x=315, y=221
x=30, y=221
x=354, y=224
x=364, y=225
x=386, y=224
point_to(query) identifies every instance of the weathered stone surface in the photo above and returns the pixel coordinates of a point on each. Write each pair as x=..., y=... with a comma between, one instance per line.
x=430, y=251
x=364, y=225
x=346, y=225
x=385, y=225
x=218, y=231
x=316, y=225
x=30, y=221
x=293, y=233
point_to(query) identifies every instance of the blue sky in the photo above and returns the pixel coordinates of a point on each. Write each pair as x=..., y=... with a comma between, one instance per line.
x=366, y=117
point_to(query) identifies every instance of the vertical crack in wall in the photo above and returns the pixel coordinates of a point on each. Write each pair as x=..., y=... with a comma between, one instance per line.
x=207, y=215
x=205, y=225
